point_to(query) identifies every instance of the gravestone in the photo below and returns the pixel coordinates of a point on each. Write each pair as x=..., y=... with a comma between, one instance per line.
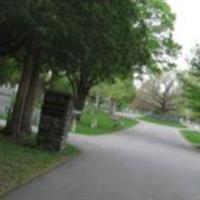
x=56, y=117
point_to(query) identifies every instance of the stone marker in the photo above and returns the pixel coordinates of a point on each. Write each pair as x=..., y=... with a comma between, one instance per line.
x=56, y=117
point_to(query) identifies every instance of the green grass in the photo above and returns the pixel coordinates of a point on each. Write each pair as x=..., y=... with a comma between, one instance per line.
x=163, y=122
x=105, y=123
x=192, y=136
x=20, y=164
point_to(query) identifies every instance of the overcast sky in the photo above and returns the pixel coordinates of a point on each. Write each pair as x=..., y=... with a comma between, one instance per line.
x=187, y=28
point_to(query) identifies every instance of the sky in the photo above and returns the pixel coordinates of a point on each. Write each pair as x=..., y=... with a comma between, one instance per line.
x=187, y=28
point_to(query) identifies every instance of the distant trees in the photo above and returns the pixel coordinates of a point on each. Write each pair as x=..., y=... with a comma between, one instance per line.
x=159, y=95
x=120, y=93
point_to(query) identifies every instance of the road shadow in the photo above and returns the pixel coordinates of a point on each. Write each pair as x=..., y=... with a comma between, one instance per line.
x=163, y=141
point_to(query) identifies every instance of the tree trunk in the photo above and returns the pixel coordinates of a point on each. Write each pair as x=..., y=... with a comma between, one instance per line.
x=30, y=102
x=13, y=127
x=79, y=105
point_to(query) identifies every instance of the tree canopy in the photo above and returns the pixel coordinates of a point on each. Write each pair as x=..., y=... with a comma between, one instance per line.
x=114, y=38
x=121, y=91
x=88, y=41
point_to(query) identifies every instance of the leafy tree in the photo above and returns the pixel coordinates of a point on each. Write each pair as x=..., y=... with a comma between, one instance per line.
x=90, y=41
x=159, y=95
x=41, y=29
x=119, y=93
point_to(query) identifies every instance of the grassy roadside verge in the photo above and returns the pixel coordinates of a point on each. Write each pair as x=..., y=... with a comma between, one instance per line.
x=105, y=123
x=192, y=136
x=163, y=122
x=19, y=164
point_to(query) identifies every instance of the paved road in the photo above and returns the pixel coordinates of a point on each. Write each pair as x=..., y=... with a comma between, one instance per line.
x=148, y=162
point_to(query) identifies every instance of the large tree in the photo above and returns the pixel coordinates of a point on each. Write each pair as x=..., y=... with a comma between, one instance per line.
x=41, y=30
x=119, y=93
x=91, y=41
x=116, y=38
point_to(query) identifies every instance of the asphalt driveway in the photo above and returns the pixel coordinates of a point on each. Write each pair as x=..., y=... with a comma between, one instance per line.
x=147, y=162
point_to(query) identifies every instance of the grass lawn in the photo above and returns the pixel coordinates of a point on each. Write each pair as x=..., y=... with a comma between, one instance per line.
x=105, y=124
x=192, y=136
x=163, y=122
x=20, y=164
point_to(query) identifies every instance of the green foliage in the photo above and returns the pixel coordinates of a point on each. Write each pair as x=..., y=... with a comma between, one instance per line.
x=121, y=91
x=13, y=16
x=89, y=41
x=158, y=22
x=10, y=71
x=113, y=38
x=61, y=84
x=191, y=93
x=191, y=84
